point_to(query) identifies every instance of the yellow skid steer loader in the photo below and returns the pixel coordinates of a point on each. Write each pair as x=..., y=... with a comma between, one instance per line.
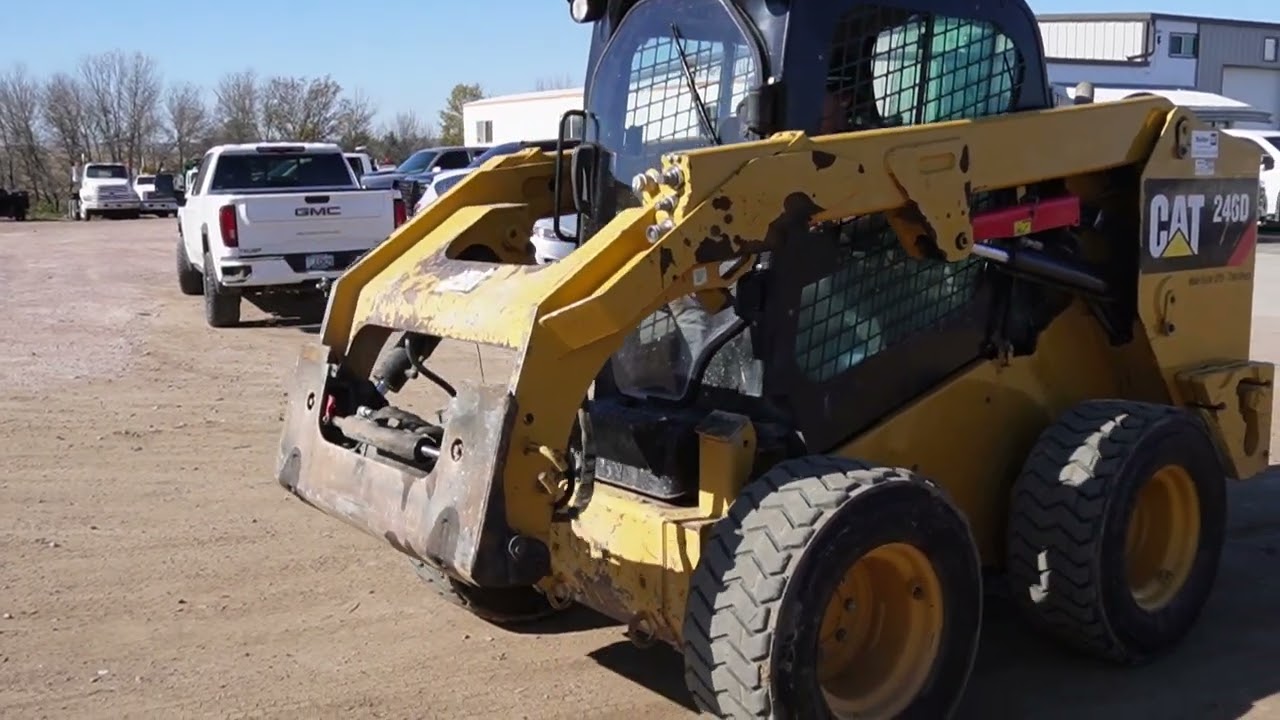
x=856, y=318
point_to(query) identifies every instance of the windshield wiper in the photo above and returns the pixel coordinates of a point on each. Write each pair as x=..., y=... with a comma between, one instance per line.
x=703, y=116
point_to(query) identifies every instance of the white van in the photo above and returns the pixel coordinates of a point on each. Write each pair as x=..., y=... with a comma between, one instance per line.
x=1268, y=141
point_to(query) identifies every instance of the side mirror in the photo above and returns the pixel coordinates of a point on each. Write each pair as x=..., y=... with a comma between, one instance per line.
x=180, y=197
x=1268, y=162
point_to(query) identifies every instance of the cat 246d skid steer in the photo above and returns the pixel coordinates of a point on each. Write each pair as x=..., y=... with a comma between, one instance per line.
x=857, y=318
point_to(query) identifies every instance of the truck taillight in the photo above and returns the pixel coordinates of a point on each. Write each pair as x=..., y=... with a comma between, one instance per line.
x=397, y=205
x=227, y=224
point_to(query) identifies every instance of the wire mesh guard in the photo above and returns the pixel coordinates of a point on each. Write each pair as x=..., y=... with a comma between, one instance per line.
x=891, y=68
x=659, y=103
x=662, y=115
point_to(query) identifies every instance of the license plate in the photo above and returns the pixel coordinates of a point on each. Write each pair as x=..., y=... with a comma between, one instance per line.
x=319, y=262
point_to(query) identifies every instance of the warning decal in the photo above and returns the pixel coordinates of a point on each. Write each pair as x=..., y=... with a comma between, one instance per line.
x=1193, y=225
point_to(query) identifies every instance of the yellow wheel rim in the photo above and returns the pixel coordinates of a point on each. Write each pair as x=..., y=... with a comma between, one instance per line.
x=1163, y=537
x=880, y=633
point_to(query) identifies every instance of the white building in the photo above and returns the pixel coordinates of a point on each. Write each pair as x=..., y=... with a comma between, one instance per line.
x=1154, y=51
x=510, y=118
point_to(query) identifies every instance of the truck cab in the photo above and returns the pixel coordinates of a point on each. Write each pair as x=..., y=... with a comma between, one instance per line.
x=102, y=189
x=361, y=164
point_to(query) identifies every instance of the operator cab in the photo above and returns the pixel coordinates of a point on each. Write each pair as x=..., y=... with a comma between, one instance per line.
x=853, y=327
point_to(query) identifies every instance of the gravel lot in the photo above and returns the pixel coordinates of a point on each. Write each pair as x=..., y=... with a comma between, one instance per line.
x=151, y=567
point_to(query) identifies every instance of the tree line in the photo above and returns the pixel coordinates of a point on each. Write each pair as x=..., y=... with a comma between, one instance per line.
x=117, y=107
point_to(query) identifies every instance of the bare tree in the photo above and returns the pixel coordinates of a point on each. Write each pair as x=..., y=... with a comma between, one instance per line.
x=237, y=106
x=305, y=109
x=102, y=77
x=188, y=120
x=354, y=126
x=20, y=111
x=66, y=119
x=141, y=88
x=404, y=135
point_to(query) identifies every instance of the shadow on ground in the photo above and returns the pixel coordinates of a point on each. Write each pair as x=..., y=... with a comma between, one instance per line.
x=303, y=314
x=1228, y=666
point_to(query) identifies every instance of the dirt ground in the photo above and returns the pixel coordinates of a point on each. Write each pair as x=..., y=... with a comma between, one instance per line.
x=151, y=567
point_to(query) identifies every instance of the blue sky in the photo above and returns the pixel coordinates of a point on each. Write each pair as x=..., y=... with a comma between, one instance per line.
x=404, y=54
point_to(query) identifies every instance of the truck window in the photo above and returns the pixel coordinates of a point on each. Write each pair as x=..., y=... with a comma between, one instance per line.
x=260, y=172
x=106, y=172
x=454, y=160
x=356, y=166
x=146, y=180
x=201, y=173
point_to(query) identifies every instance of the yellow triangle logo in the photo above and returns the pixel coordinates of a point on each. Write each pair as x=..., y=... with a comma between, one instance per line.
x=1178, y=246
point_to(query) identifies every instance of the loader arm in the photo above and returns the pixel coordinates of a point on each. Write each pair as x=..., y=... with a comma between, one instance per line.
x=503, y=446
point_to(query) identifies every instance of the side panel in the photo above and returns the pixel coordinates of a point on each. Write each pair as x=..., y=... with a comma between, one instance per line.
x=1197, y=247
x=1195, y=293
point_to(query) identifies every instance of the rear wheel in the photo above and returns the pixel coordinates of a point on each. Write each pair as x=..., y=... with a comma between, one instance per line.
x=221, y=306
x=1117, y=526
x=500, y=606
x=834, y=589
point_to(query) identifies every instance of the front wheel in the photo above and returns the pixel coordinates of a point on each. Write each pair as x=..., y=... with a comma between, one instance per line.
x=834, y=589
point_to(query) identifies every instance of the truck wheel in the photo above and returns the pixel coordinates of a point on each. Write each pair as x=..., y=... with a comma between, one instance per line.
x=190, y=280
x=221, y=306
x=834, y=588
x=500, y=606
x=1116, y=528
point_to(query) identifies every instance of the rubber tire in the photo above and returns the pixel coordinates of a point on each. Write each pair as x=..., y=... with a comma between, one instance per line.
x=756, y=598
x=500, y=606
x=221, y=307
x=1069, y=516
x=190, y=280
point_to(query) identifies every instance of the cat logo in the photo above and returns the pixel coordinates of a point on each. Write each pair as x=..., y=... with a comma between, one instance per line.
x=1174, y=226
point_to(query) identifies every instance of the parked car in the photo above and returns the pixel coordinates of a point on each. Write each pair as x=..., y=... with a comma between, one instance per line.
x=548, y=247
x=1269, y=173
x=361, y=164
x=422, y=164
x=15, y=204
x=275, y=222
x=442, y=181
x=155, y=195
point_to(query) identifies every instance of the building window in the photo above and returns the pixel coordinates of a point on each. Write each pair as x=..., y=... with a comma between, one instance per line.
x=1184, y=45
x=484, y=131
x=1269, y=49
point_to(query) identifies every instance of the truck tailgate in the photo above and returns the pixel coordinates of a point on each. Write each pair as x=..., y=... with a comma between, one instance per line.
x=284, y=223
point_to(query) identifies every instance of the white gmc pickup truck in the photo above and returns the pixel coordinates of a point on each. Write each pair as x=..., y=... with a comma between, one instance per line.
x=275, y=223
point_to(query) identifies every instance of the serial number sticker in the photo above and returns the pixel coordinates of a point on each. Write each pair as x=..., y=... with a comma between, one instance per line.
x=1205, y=167
x=700, y=276
x=1204, y=144
x=463, y=282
